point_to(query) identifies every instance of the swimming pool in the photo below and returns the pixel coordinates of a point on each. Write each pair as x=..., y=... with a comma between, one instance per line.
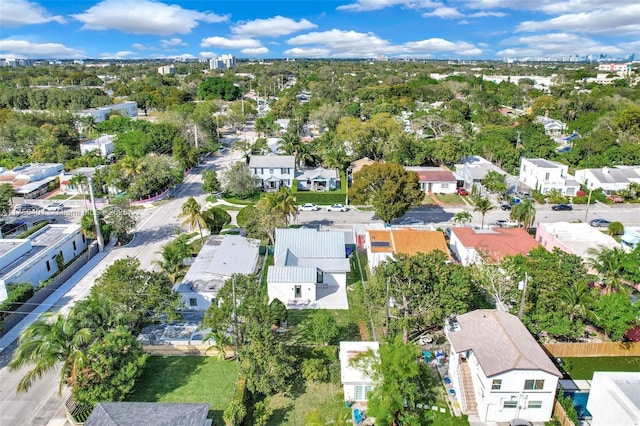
x=579, y=399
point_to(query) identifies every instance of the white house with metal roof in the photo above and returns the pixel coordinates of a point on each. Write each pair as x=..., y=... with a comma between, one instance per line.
x=497, y=369
x=220, y=257
x=544, y=175
x=273, y=171
x=310, y=269
x=609, y=179
x=35, y=259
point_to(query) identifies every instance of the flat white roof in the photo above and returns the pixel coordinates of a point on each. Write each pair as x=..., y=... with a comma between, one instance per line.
x=348, y=350
x=579, y=237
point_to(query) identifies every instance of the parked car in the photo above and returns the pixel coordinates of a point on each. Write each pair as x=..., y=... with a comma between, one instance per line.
x=308, y=207
x=337, y=208
x=505, y=206
x=561, y=207
x=27, y=208
x=615, y=198
x=599, y=222
x=54, y=207
x=411, y=221
x=520, y=422
x=507, y=223
x=462, y=191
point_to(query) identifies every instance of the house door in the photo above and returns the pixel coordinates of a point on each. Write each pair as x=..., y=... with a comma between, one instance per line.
x=429, y=187
x=298, y=291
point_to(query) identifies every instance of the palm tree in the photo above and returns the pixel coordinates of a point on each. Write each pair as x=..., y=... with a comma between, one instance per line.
x=610, y=264
x=220, y=342
x=462, y=218
x=578, y=298
x=49, y=340
x=193, y=216
x=524, y=213
x=173, y=255
x=80, y=181
x=483, y=205
x=285, y=204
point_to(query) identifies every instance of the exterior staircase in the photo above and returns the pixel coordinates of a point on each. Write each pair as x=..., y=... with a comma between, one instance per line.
x=469, y=406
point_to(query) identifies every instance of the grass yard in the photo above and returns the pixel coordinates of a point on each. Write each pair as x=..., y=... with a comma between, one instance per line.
x=450, y=198
x=188, y=379
x=583, y=368
x=427, y=200
x=325, y=398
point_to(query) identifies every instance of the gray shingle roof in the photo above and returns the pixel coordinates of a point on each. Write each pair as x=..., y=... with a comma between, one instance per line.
x=626, y=175
x=500, y=342
x=147, y=413
x=273, y=161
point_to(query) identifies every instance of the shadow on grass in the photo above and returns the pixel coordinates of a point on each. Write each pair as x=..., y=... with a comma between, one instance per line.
x=162, y=375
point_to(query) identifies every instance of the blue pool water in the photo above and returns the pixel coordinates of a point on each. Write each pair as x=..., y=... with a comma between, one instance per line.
x=580, y=403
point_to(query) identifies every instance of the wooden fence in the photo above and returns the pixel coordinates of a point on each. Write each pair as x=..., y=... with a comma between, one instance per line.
x=561, y=414
x=578, y=350
x=184, y=350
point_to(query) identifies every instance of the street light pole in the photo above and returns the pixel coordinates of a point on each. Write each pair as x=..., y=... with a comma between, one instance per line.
x=346, y=196
x=586, y=213
x=96, y=220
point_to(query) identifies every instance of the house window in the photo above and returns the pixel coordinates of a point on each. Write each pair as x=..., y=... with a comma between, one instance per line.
x=533, y=384
x=496, y=384
x=270, y=171
x=48, y=266
x=361, y=393
x=83, y=239
x=193, y=302
x=524, y=167
x=546, y=176
x=534, y=404
x=444, y=185
x=510, y=404
x=74, y=246
x=298, y=291
x=284, y=171
x=319, y=276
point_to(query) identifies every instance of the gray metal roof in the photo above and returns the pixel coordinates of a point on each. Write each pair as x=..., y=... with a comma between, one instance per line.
x=272, y=160
x=308, y=243
x=500, y=342
x=624, y=175
x=148, y=413
x=547, y=164
x=291, y=274
x=326, y=265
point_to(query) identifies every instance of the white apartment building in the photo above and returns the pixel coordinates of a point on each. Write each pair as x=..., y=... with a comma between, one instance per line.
x=103, y=144
x=167, y=70
x=127, y=109
x=222, y=62
x=544, y=175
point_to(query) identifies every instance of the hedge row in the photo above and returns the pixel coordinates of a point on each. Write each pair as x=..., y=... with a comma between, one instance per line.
x=17, y=294
x=32, y=230
x=326, y=198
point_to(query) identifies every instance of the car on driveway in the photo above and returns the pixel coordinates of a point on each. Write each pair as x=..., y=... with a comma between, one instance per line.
x=337, y=208
x=507, y=223
x=561, y=207
x=505, y=206
x=520, y=422
x=615, y=198
x=54, y=207
x=22, y=208
x=462, y=191
x=600, y=222
x=411, y=221
x=308, y=207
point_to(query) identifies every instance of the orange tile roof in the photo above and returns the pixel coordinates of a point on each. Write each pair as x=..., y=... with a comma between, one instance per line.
x=407, y=241
x=497, y=244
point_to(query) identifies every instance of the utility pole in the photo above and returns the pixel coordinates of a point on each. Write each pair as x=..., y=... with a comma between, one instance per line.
x=586, y=212
x=195, y=133
x=386, y=302
x=96, y=220
x=524, y=293
x=346, y=196
x=235, y=318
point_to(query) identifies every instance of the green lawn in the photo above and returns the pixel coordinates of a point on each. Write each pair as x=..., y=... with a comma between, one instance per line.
x=326, y=398
x=450, y=198
x=583, y=368
x=188, y=379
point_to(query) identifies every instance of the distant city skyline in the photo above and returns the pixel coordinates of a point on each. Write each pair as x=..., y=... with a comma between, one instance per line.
x=340, y=29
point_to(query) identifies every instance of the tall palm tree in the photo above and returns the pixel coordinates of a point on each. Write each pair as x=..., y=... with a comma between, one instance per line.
x=80, y=181
x=610, y=264
x=524, y=213
x=49, y=340
x=285, y=204
x=462, y=218
x=193, y=216
x=578, y=298
x=483, y=205
x=173, y=255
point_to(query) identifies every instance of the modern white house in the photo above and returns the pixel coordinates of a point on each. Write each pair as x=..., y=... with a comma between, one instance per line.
x=126, y=109
x=310, y=269
x=273, y=171
x=497, y=369
x=614, y=399
x=31, y=180
x=103, y=144
x=36, y=258
x=318, y=179
x=609, y=179
x=355, y=382
x=435, y=179
x=220, y=257
x=544, y=175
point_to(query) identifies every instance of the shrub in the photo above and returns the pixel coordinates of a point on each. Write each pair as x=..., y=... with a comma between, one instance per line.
x=325, y=198
x=315, y=370
x=33, y=230
x=245, y=216
x=236, y=411
x=615, y=228
x=17, y=294
x=567, y=404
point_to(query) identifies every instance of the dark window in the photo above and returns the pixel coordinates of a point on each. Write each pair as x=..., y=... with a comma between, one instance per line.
x=319, y=276
x=533, y=384
x=510, y=404
x=535, y=404
x=193, y=302
x=74, y=246
x=48, y=266
x=496, y=384
x=298, y=292
x=83, y=240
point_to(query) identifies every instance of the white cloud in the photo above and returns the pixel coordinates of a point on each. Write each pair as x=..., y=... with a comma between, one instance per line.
x=172, y=42
x=123, y=54
x=185, y=55
x=16, y=13
x=139, y=46
x=272, y=27
x=28, y=49
x=255, y=51
x=230, y=43
x=444, y=12
x=555, y=45
x=208, y=55
x=314, y=52
x=463, y=22
x=624, y=20
x=144, y=17
x=439, y=45
x=369, y=5
x=484, y=14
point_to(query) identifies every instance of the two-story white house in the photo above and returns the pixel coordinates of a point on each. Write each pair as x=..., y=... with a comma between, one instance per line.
x=103, y=145
x=273, y=171
x=544, y=175
x=310, y=269
x=497, y=369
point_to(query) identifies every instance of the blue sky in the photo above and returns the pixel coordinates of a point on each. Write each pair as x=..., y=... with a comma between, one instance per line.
x=430, y=29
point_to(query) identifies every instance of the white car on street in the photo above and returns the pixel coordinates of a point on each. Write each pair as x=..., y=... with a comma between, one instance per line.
x=54, y=207
x=337, y=208
x=308, y=207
